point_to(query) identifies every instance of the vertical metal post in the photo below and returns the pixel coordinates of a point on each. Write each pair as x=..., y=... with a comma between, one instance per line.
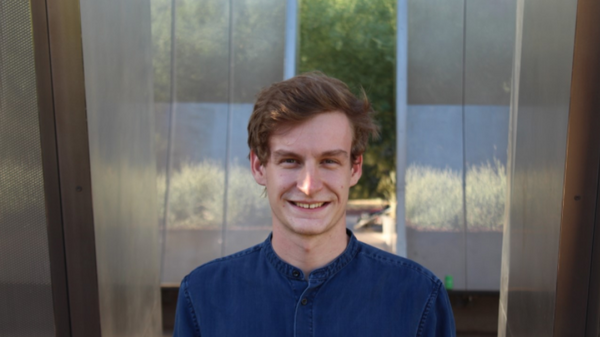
x=171, y=136
x=510, y=170
x=230, y=102
x=401, y=113
x=291, y=39
x=464, y=155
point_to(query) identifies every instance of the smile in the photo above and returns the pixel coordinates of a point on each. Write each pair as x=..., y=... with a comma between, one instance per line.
x=308, y=206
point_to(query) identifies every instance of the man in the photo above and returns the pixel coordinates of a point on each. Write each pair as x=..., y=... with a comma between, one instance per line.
x=311, y=277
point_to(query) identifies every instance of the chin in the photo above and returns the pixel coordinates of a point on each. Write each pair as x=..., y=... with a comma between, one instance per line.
x=310, y=229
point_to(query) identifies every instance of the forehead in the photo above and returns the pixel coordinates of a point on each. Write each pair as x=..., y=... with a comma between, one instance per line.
x=323, y=132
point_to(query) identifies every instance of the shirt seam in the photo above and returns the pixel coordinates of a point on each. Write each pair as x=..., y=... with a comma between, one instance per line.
x=419, y=270
x=191, y=307
x=237, y=255
x=425, y=314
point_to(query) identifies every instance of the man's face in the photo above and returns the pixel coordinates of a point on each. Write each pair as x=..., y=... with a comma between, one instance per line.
x=309, y=174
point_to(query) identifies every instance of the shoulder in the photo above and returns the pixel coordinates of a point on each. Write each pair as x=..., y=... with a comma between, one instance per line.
x=390, y=263
x=235, y=262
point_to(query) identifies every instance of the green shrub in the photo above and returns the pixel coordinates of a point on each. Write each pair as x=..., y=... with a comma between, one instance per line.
x=434, y=197
x=486, y=193
x=197, y=197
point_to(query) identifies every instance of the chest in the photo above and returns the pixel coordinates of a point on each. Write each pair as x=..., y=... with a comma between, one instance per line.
x=301, y=309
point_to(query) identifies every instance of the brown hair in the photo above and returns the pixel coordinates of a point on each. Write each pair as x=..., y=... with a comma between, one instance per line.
x=302, y=97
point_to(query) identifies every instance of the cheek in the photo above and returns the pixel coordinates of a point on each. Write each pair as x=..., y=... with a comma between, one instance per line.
x=283, y=181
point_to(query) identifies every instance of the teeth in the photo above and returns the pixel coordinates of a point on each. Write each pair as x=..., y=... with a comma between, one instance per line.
x=309, y=205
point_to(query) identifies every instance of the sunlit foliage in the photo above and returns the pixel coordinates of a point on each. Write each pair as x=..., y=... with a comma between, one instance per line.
x=354, y=40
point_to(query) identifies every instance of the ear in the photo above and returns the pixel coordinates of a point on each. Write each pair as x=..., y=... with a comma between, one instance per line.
x=356, y=170
x=258, y=169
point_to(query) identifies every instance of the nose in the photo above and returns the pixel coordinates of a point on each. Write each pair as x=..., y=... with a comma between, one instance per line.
x=309, y=180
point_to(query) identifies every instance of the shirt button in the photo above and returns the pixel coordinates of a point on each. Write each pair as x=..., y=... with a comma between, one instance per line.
x=296, y=273
x=304, y=301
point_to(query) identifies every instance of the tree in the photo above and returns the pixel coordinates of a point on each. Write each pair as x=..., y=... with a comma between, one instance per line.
x=354, y=41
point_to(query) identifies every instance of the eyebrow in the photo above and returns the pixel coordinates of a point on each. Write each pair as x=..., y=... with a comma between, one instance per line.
x=332, y=153
x=335, y=153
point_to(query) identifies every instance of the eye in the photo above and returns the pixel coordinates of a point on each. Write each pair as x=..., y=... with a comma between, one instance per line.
x=288, y=161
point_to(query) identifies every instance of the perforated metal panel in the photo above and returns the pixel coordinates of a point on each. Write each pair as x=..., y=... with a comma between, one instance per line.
x=25, y=286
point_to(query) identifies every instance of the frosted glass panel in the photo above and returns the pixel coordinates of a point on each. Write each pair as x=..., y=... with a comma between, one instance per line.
x=224, y=53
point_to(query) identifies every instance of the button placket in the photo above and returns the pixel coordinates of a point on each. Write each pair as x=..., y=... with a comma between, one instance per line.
x=303, y=319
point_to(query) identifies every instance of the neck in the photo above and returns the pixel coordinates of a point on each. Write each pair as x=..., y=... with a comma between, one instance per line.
x=309, y=252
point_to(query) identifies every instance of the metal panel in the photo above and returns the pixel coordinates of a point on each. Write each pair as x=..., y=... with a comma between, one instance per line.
x=50, y=168
x=545, y=45
x=26, y=297
x=257, y=60
x=510, y=165
x=435, y=230
x=73, y=157
x=401, y=119
x=224, y=53
x=292, y=39
x=593, y=307
x=489, y=40
x=581, y=178
x=435, y=51
x=118, y=81
x=434, y=202
x=197, y=149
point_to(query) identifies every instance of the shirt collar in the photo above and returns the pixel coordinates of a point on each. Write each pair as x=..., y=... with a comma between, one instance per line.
x=321, y=273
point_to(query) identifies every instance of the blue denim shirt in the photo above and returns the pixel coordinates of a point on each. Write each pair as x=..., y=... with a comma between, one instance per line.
x=363, y=292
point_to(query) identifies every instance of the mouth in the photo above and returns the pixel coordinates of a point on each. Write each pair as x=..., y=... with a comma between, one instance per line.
x=313, y=205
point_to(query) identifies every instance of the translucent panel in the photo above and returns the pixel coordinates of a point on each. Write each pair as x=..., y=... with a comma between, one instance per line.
x=486, y=138
x=202, y=51
x=538, y=157
x=488, y=70
x=248, y=211
x=26, y=307
x=434, y=131
x=223, y=56
x=197, y=148
x=490, y=35
x=120, y=122
x=258, y=54
x=434, y=191
x=258, y=33
x=435, y=53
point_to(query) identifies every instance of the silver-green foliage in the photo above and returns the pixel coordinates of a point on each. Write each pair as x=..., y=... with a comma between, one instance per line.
x=434, y=197
x=486, y=194
x=196, y=197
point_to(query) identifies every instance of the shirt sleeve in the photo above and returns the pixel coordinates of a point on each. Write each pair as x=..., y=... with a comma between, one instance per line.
x=186, y=324
x=437, y=319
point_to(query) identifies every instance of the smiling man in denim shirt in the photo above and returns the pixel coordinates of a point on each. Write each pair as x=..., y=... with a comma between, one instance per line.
x=311, y=277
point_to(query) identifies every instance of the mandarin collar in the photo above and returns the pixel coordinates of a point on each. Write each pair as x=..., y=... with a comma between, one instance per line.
x=322, y=273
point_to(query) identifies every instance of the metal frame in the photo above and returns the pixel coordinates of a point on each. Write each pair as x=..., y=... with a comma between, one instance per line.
x=50, y=169
x=581, y=180
x=292, y=41
x=65, y=152
x=401, y=113
x=593, y=306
